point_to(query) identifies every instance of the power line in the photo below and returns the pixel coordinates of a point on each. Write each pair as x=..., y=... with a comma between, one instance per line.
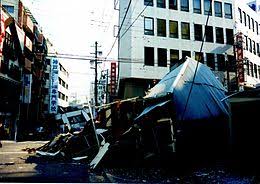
x=135, y=19
x=120, y=28
x=197, y=64
x=128, y=27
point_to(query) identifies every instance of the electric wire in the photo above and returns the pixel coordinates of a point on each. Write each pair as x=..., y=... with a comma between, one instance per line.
x=197, y=64
x=128, y=7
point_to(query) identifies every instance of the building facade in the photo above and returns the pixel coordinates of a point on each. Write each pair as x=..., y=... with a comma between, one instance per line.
x=247, y=38
x=57, y=87
x=164, y=32
x=23, y=59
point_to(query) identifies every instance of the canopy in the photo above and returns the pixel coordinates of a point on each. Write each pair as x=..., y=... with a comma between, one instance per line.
x=206, y=94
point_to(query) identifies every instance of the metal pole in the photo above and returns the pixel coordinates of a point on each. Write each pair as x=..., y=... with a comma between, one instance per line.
x=96, y=90
x=227, y=68
x=107, y=101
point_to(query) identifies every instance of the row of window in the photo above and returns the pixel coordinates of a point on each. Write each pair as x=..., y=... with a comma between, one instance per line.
x=252, y=70
x=197, y=8
x=185, y=31
x=63, y=83
x=63, y=97
x=248, y=21
x=252, y=46
x=220, y=65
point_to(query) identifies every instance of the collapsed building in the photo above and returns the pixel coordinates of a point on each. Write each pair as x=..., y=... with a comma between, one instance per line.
x=183, y=115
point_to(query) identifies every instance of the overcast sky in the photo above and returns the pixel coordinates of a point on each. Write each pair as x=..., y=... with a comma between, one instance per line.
x=73, y=27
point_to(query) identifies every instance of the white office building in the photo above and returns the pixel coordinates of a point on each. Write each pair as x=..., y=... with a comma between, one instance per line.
x=56, y=74
x=157, y=34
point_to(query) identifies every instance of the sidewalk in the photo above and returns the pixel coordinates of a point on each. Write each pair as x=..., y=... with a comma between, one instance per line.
x=15, y=166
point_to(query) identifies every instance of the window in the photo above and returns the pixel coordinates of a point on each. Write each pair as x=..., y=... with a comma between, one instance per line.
x=161, y=27
x=254, y=49
x=257, y=49
x=185, y=30
x=197, y=6
x=198, y=32
x=185, y=53
x=149, y=56
x=162, y=57
x=255, y=70
x=250, y=44
x=246, y=48
x=248, y=20
x=47, y=76
x=252, y=69
x=259, y=72
x=210, y=60
x=256, y=27
x=247, y=67
x=228, y=10
x=244, y=17
x=173, y=4
x=219, y=35
x=174, y=33
x=221, y=62
x=174, y=57
x=253, y=24
x=185, y=5
x=9, y=8
x=199, y=57
x=148, y=26
x=240, y=15
x=148, y=2
x=207, y=7
x=218, y=9
x=209, y=33
x=161, y=3
x=229, y=36
x=231, y=63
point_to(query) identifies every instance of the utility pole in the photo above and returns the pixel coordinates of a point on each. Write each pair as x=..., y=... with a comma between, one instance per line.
x=96, y=89
x=227, y=62
x=107, y=99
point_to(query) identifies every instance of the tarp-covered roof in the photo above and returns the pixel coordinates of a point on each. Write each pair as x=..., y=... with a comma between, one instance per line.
x=206, y=94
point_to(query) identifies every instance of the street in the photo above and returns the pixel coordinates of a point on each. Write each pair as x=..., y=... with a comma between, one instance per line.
x=17, y=166
x=20, y=166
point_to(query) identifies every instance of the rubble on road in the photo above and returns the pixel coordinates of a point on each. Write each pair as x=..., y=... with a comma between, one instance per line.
x=174, y=117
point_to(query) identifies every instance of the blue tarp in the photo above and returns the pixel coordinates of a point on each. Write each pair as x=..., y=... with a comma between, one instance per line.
x=206, y=95
x=150, y=108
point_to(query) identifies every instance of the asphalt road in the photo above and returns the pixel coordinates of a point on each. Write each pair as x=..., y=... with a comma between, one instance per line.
x=20, y=166
x=17, y=166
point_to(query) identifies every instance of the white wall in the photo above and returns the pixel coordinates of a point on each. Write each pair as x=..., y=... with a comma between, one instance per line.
x=133, y=43
x=240, y=27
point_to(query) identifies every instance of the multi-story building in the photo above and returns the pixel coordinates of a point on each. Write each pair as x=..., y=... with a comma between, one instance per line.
x=56, y=87
x=157, y=34
x=247, y=31
x=23, y=50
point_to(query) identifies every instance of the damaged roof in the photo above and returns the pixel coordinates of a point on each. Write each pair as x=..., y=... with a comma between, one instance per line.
x=206, y=96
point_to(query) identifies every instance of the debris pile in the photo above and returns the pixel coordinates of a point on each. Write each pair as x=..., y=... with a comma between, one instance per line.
x=174, y=117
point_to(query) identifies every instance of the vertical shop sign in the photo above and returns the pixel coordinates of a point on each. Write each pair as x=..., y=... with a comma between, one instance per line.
x=54, y=82
x=113, y=79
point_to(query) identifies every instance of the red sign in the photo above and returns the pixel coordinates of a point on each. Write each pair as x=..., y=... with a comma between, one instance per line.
x=240, y=58
x=113, y=79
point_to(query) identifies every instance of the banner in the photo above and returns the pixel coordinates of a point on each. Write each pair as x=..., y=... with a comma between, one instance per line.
x=113, y=79
x=27, y=84
x=2, y=30
x=54, y=82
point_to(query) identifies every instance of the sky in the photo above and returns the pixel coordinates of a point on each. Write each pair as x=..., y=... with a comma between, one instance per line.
x=73, y=27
